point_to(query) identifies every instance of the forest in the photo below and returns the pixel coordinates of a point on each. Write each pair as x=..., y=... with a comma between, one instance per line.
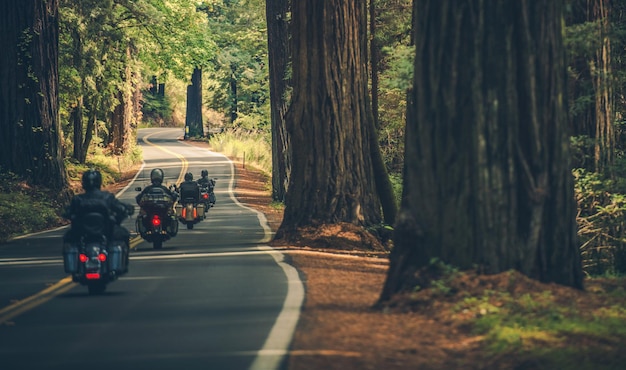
x=483, y=135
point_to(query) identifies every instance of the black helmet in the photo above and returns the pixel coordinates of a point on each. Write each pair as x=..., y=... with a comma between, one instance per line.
x=156, y=176
x=92, y=179
x=188, y=176
x=204, y=173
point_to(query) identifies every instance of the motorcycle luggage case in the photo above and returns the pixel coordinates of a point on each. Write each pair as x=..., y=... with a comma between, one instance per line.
x=116, y=258
x=200, y=208
x=70, y=259
x=179, y=210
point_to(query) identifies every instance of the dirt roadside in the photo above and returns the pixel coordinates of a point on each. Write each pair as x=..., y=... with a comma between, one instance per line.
x=340, y=329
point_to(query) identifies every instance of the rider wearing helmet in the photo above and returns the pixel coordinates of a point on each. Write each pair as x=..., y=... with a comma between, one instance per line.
x=104, y=201
x=189, y=189
x=206, y=182
x=156, y=178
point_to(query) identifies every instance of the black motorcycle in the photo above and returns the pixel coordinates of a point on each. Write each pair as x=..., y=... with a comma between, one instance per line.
x=96, y=259
x=207, y=194
x=156, y=222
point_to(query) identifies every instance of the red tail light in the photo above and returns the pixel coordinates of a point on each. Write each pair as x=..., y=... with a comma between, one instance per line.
x=83, y=258
x=102, y=257
x=195, y=213
x=205, y=196
x=92, y=276
x=184, y=212
x=156, y=220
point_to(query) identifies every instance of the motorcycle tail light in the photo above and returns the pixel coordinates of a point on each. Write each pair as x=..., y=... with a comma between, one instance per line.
x=195, y=213
x=184, y=212
x=205, y=196
x=83, y=258
x=92, y=275
x=102, y=257
x=156, y=220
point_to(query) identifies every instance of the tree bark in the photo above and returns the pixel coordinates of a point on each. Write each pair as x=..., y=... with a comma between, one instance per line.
x=328, y=120
x=381, y=176
x=591, y=89
x=194, y=105
x=278, y=54
x=123, y=112
x=487, y=182
x=29, y=117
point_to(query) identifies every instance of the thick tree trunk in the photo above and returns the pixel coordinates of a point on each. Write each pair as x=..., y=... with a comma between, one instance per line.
x=278, y=53
x=487, y=177
x=332, y=178
x=29, y=118
x=76, y=118
x=193, y=118
x=123, y=112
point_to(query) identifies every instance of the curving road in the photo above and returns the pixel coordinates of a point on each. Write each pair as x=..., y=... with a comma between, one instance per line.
x=213, y=298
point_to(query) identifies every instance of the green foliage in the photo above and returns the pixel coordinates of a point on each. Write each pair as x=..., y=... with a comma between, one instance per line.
x=239, y=31
x=554, y=335
x=157, y=110
x=601, y=220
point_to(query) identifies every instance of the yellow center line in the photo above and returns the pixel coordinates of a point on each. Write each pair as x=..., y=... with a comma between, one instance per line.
x=19, y=307
x=183, y=160
x=65, y=284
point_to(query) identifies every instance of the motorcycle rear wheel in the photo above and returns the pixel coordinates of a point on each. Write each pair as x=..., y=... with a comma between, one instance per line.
x=157, y=244
x=189, y=226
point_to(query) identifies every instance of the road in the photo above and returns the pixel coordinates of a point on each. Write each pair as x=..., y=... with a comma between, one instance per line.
x=213, y=298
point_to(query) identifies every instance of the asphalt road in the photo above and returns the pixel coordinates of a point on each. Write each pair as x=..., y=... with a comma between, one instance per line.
x=213, y=298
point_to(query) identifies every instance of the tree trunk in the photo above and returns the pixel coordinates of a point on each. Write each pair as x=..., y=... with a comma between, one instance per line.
x=29, y=117
x=381, y=176
x=194, y=105
x=123, y=112
x=278, y=54
x=591, y=90
x=76, y=118
x=332, y=176
x=603, y=86
x=233, y=95
x=487, y=177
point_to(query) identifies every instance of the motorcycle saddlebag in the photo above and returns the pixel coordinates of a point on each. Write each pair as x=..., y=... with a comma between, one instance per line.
x=116, y=258
x=179, y=210
x=70, y=258
x=139, y=225
x=200, y=208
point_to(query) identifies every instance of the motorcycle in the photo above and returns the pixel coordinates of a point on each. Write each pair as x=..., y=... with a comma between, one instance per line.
x=95, y=260
x=207, y=194
x=156, y=222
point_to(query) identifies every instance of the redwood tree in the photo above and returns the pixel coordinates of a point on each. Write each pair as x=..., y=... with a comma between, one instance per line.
x=278, y=55
x=193, y=118
x=332, y=177
x=29, y=117
x=487, y=179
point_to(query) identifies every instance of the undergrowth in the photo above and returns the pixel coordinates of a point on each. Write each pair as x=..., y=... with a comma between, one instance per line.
x=26, y=209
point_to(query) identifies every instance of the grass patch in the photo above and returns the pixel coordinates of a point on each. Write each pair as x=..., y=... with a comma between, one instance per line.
x=551, y=329
x=253, y=149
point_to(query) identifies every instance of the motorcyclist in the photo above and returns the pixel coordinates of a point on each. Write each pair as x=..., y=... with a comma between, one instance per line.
x=93, y=198
x=206, y=182
x=158, y=198
x=189, y=189
x=156, y=179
